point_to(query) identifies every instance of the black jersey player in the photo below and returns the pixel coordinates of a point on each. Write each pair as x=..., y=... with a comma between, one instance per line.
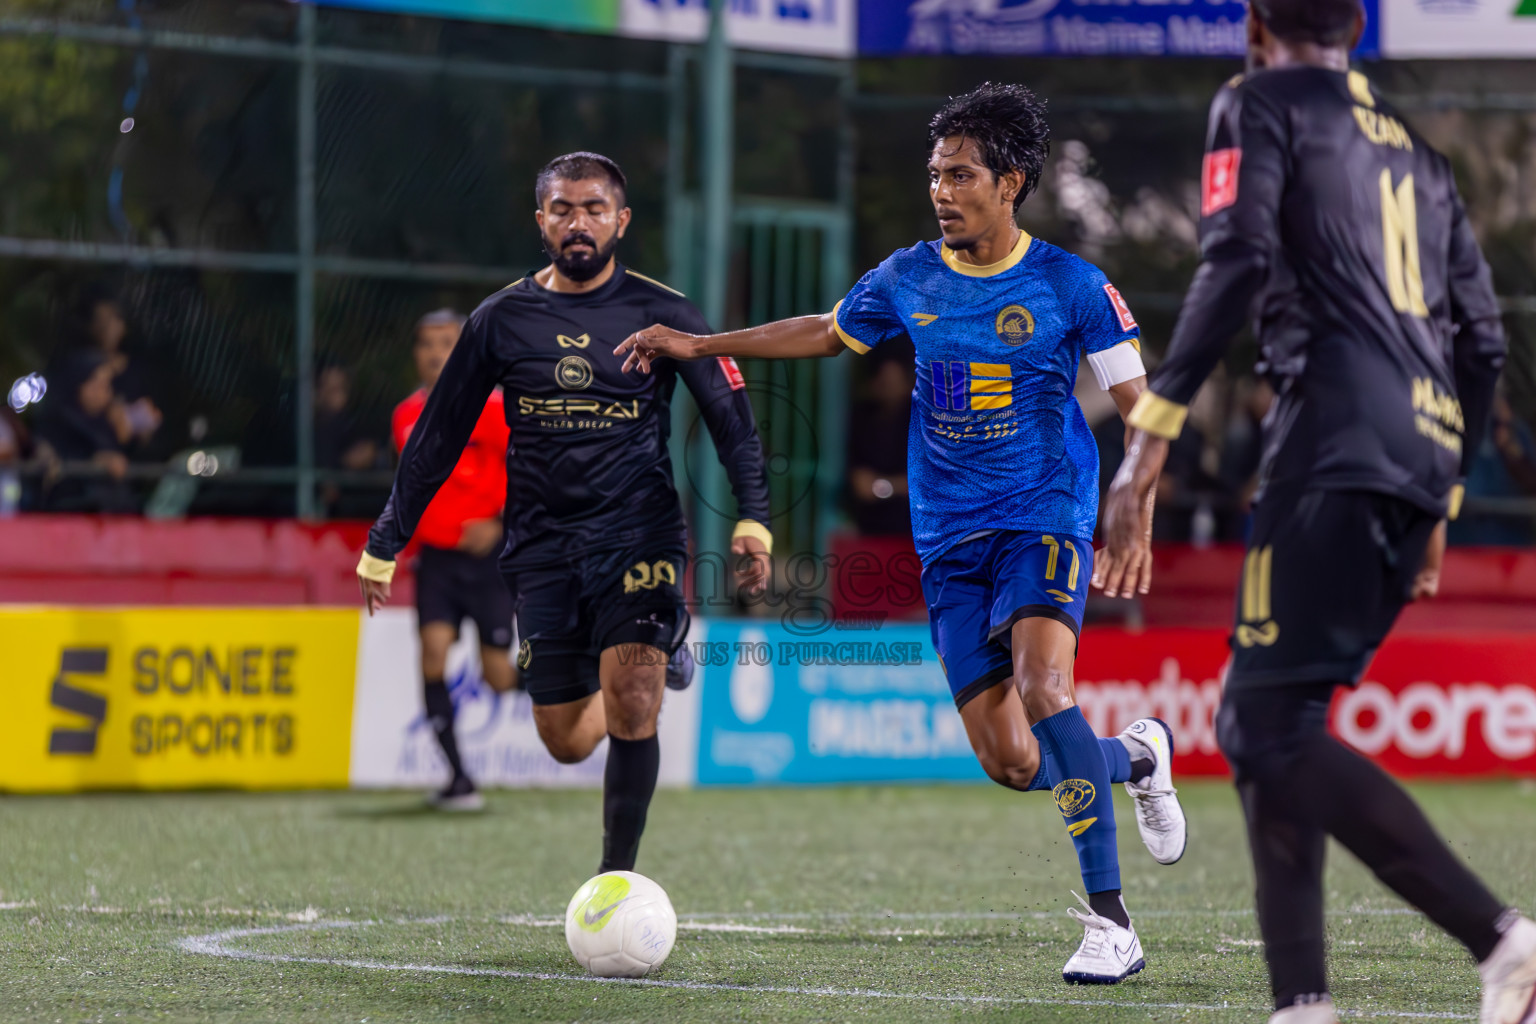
x=596, y=545
x=1342, y=231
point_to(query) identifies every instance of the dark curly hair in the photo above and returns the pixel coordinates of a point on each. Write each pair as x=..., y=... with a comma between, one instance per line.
x=1007, y=123
x=1323, y=22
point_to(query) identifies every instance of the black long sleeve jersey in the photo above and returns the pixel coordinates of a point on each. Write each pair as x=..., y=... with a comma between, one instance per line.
x=587, y=466
x=1376, y=317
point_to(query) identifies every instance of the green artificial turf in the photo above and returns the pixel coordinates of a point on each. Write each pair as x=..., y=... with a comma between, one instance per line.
x=878, y=904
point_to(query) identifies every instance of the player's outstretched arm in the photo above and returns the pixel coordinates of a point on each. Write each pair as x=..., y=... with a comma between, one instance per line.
x=803, y=337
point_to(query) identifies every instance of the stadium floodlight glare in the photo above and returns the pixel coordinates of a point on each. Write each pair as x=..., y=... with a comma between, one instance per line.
x=27, y=391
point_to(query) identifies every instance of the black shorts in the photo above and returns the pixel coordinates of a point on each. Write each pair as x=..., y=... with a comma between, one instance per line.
x=567, y=615
x=452, y=586
x=1325, y=576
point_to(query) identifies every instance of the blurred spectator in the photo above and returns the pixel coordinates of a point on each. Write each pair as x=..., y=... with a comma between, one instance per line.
x=15, y=447
x=82, y=422
x=1504, y=467
x=877, y=448
x=341, y=442
x=100, y=325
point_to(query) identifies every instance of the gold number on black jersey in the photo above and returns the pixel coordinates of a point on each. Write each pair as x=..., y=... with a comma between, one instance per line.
x=1400, y=245
x=1256, y=626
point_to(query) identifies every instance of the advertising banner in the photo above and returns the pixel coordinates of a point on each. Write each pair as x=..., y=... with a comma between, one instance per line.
x=817, y=27
x=257, y=698
x=586, y=15
x=778, y=708
x=863, y=705
x=1458, y=28
x=1430, y=704
x=1065, y=28
x=393, y=746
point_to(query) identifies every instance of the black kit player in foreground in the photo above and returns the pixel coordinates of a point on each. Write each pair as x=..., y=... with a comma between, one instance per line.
x=1379, y=330
x=596, y=543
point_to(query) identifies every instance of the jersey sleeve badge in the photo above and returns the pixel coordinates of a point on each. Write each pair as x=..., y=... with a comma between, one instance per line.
x=1122, y=309
x=732, y=372
x=1218, y=180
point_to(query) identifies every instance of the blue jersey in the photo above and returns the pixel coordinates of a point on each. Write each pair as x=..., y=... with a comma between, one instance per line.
x=997, y=441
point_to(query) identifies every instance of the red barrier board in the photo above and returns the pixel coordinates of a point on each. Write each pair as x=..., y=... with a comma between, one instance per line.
x=1430, y=705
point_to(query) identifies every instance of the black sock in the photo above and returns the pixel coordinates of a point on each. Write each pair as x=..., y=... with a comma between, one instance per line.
x=1376, y=820
x=1288, y=860
x=1108, y=904
x=629, y=779
x=440, y=717
x=1140, y=769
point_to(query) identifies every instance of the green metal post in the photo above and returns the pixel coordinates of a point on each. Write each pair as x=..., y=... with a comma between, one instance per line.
x=832, y=399
x=681, y=240
x=718, y=102
x=304, y=300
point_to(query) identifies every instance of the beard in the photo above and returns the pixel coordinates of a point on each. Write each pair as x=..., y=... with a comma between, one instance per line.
x=581, y=266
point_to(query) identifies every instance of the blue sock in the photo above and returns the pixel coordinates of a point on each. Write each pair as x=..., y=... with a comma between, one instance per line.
x=1075, y=757
x=1117, y=758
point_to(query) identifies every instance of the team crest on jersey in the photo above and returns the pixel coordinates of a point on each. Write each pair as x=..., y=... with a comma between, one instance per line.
x=524, y=655
x=1015, y=325
x=1073, y=795
x=573, y=373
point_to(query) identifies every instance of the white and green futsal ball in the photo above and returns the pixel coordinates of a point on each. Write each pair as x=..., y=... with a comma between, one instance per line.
x=620, y=925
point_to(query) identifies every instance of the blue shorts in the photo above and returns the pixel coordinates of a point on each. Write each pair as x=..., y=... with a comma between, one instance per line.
x=979, y=588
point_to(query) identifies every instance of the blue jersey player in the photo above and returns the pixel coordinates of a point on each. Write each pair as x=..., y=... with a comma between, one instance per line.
x=1003, y=478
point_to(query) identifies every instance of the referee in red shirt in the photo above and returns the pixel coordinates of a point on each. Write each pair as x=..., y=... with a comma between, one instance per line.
x=461, y=535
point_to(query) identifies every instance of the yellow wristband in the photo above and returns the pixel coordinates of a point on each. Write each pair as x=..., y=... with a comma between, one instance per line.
x=1453, y=503
x=752, y=528
x=375, y=569
x=1157, y=416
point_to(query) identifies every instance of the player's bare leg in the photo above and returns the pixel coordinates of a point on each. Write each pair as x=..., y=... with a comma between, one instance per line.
x=496, y=668
x=460, y=793
x=999, y=734
x=571, y=731
x=633, y=678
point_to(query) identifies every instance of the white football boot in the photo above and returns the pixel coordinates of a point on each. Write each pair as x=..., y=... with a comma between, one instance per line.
x=1108, y=954
x=1321, y=1012
x=1159, y=815
x=1509, y=977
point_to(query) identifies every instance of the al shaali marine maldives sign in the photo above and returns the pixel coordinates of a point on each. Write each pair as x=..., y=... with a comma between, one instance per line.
x=1063, y=28
x=821, y=27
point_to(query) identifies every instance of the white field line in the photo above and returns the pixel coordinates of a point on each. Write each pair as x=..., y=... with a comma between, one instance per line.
x=217, y=944
x=717, y=921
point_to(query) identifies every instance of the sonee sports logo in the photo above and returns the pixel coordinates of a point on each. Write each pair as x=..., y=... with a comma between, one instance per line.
x=90, y=661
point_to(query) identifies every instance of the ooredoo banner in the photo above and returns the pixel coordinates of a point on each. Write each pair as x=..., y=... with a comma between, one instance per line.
x=1430, y=704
